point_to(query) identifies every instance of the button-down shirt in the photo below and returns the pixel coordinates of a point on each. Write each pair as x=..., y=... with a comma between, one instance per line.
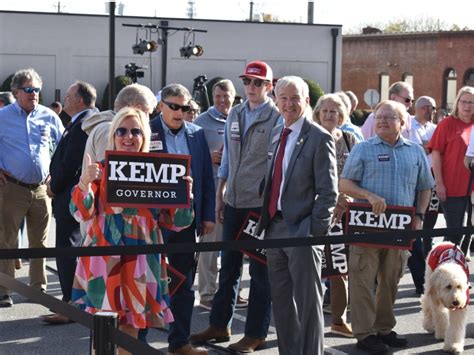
x=422, y=134
x=176, y=143
x=27, y=142
x=289, y=148
x=392, y=172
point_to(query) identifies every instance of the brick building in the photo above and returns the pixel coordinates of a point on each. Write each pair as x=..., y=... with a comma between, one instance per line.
x=437, y=64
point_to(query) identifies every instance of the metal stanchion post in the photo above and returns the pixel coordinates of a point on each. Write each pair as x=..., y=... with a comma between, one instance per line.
x=101, y=342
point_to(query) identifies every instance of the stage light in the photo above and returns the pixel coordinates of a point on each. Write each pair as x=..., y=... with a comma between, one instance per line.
x=188, y=51
x=144, y=46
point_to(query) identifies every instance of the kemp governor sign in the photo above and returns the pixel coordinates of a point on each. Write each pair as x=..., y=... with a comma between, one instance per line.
x=147, y=179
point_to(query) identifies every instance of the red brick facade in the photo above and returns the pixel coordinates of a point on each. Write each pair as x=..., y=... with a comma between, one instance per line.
x=428, y=57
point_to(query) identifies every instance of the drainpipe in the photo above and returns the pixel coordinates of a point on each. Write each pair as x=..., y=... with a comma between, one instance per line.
x=335, y=34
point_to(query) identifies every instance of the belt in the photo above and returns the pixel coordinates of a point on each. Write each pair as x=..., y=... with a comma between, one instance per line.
x=20, y=183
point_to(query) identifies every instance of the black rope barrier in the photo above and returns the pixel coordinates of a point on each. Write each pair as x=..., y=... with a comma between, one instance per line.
x=379, y=238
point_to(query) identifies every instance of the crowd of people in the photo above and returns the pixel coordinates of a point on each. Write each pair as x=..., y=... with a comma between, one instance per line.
x=272, y=155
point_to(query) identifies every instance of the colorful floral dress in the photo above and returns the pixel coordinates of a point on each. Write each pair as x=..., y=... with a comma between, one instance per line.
x=134, y=286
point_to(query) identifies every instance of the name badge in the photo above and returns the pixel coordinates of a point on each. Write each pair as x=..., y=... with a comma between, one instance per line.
x=220, y=131
x=156, y=145
x=235, y=136
x=269, y=155
x=234, y=127
x=384, y=157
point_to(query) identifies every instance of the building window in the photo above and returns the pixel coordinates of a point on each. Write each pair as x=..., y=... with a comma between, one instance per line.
x=384, y=85
x=450, y=88
x=469, y=77
x=408, y=78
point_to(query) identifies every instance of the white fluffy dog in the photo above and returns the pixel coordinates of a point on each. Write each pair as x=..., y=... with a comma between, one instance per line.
x=444, y=304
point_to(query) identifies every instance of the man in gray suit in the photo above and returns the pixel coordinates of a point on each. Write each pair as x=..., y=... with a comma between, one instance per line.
x=300, y=193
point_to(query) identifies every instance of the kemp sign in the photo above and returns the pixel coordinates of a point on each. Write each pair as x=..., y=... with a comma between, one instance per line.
x=335, y=255
x=147, y=179
x=360, y=219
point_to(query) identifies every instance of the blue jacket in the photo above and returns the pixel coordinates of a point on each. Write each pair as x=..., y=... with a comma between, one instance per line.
x=201, y=169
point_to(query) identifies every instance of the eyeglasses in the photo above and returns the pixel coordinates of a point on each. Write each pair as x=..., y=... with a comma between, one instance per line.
x=176, y=107
x=464, y=102
x=122, y=131
x=30, y=90
x=431, y=107
x=388, y=118
x=406, y=99
x=256, y=82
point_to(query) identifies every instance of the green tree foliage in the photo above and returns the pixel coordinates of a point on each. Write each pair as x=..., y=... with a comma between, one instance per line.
x=315, y=91
x=120, y=82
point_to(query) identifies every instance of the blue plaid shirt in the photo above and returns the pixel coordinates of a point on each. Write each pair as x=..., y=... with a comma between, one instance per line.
x=392, y=172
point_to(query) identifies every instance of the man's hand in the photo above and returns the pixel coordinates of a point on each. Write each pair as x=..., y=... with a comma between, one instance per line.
x=378, y=204
x=418, y=223
x=207, y=227
x=49, y=192
x=3, y=179
x=216, y=157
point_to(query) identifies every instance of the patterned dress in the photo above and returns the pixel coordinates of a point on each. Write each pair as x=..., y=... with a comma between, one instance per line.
x=134, y=286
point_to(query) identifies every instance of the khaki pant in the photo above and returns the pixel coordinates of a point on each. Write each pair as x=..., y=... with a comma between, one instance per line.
x=207, y=266
x=16, y=203
x=371, y=302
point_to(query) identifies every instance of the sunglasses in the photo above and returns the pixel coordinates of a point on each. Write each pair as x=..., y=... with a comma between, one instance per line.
x=176, y=107
x=122, y=131
x=256, y=82
x=406, y=99
x=30, y=90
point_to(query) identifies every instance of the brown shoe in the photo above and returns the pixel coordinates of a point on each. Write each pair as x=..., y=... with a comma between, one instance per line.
x=56, y=318
x=219, y=335
x=248, y=345
x=18, y=264
x=188, y=349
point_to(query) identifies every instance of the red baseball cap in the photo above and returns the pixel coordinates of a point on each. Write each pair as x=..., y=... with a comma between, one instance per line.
x=258, y=70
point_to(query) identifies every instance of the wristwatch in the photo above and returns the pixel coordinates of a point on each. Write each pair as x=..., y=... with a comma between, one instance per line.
x=420, y=215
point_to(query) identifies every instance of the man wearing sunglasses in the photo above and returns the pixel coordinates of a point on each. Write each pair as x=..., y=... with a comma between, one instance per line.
x=29, y=135
x=65, y=170
x=172, y=134
x=401, y=92
x=247, y=135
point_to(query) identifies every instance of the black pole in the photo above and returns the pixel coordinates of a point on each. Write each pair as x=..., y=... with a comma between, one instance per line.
x=335, y=33
x=164, y=54
x=101, y=341
x=251, y=11
x=111, y=55
x=310, y=12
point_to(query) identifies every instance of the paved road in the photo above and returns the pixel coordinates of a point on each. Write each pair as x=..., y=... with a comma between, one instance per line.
x=22, y=332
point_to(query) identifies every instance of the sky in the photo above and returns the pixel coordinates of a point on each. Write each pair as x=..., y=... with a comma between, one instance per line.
x=350, y=13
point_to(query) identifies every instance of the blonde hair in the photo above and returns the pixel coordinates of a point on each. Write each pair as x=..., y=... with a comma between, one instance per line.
x=341, y=108
x=143, y=122
x=464, y=90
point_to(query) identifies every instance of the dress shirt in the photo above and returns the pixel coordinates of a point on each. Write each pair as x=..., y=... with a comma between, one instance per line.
x=175, y=143
x=422, y=134
x=291, y=141
x=392, y=172
x=27, y=142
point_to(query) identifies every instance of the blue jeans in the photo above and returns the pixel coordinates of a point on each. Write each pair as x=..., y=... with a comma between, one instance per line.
x=182, y=302
x=223, y=305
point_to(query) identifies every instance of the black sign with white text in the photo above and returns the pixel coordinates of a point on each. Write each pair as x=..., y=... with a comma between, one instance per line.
x=147, y=179
x=247, y=232
x=361, y=219
x=334, y=258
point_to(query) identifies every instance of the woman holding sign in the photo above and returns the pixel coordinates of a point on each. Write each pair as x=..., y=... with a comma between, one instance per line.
x=330, y=112
x=134, y=286
x=448, y=145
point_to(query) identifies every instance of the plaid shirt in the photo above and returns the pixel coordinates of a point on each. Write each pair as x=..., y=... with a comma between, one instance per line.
x=392, y=172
